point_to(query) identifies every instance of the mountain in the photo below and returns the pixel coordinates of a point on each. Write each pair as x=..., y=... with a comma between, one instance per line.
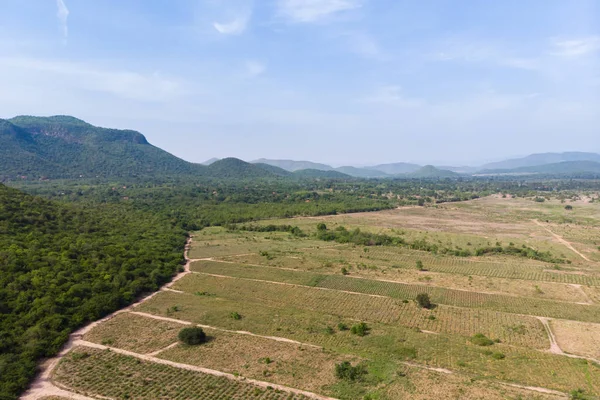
x=291, y=165
x=562, y=168
x=396, y=168
x=210, y=161
x=361, y=172
x=67, y=147
x=273, y=169
x=429, y=171
x=541, y=159
x=317, y=173
x=236, y=168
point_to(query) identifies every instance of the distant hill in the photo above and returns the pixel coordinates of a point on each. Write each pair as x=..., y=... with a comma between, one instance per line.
x=317, y=173
x=273, y=169
x=291, y=165
x=562, y=168
x=396, y=168
x=210, y=161
x=67, y=147
x=236, y=168
x=361, y=172
x=541, y=159
x=429, y=171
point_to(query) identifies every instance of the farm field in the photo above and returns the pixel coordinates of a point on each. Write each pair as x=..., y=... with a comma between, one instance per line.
x=283, y=311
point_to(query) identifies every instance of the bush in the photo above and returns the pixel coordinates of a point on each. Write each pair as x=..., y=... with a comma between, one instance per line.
x=360, y=329
x=420, y=265
x=498, y=356
x=235, y=315
x=480, y=339
x=342, y=326
x=578, y=394
x=192, y=336
x=423, y=300
x=348, y=372
x=568, y=207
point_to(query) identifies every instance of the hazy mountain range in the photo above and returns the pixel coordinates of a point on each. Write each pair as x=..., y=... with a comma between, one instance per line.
x=67, y=147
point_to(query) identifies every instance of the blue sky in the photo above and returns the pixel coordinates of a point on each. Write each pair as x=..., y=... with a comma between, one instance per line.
x=338, y=81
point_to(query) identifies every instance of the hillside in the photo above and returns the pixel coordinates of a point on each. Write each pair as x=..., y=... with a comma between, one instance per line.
x=236, y=168
x=562, y=168
x=429, y=171
x=541, y=159
x=317, y=173
x=396, y=168
x=62, y=266
x=274, y=170
x=361, y=172
x=291, y=165
x=66, y=147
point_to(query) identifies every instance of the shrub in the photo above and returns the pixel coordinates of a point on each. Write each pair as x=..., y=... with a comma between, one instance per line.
x=192, y=336
x=568, y=207
x=578, y=394
x=480, y=339
x=321, y=227
x=348, y=372
x=235, y=315
x=420, y=265
x=360, y=329
x=342, y=326
x=423, y=300
x=345, y=271
x=498, y=356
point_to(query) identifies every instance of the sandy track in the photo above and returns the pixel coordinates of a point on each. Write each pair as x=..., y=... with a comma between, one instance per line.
x=208, y=371
x=561, y=240
x=275, y=338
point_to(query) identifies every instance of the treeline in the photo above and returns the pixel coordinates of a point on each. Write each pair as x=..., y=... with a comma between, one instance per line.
x=361, y=238
x=62, y=266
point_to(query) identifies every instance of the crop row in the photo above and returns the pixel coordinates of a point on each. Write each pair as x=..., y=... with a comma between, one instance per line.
x=511, y=328
x=105, y=373
x=402, y=291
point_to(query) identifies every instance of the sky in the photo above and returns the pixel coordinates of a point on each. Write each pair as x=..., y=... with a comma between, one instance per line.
x=357, y=82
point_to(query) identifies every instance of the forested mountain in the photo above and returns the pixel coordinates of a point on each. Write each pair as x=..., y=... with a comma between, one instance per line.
x=64, y=265
x=541, y=159
x=236, y=168
x=429, y=171
x=361, y=172
x=291, y=165
x=317, y=173
x=66, y=147
x=562, y=168
x=396, y=168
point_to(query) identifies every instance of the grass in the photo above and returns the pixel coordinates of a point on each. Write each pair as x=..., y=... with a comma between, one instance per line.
x=108, y=374
x=459, y=298
x=134, y=333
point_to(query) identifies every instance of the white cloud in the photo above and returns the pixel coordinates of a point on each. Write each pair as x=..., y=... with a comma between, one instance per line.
x=576, y=47
x=255, y=68
x=151, y=87
x=62, y=15
x=392, y=96
x=235, y=27
x=314, y=10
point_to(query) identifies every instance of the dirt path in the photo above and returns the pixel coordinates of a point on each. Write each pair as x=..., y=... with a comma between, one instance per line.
x=208, y=371
x=554, y=347
x=275, y=338
x=561, y=240
x=42, y=385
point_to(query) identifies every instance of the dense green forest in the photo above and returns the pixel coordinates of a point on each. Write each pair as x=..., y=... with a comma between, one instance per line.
x=64, y=265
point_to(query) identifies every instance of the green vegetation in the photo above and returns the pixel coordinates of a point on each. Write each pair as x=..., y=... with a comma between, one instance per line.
x=347, y=371
x=63, y=266
x=423, y=300
x=360, y=329
x=480, y=339
x=192, y=336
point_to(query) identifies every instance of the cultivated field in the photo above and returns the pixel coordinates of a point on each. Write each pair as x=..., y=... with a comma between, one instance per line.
x=284, y=311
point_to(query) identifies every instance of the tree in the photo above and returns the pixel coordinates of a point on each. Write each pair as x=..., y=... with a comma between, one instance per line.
x=321, y=227
x=423, y=300
x=361, y=329
x=348, y=372
x=192, y=336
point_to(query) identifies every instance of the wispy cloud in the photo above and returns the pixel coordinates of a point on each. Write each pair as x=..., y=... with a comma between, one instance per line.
x=150, y=87
x=314, y=10
x=235, y=27
x=392, y=96
x=576, y=47
x=364, y=45
x=255, y=68
x=63, y=15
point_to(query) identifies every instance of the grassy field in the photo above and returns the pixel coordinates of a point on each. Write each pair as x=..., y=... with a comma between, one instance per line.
x=287, y=309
